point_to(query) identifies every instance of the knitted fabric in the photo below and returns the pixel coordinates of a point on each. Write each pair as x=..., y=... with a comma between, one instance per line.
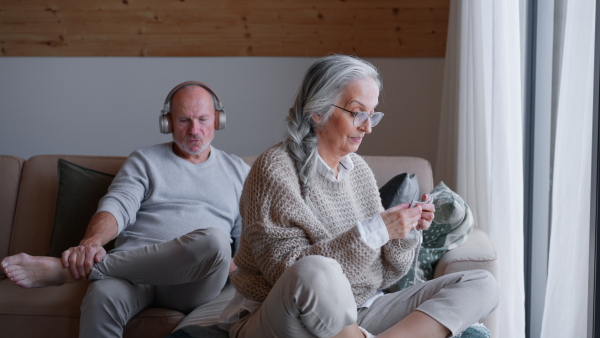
x=279, y=228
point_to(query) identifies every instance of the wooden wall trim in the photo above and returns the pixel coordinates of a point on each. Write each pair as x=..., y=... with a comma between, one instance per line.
x=367, y=28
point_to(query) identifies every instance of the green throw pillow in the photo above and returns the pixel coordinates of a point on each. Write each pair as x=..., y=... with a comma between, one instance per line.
x=452, y=224
x=79, y=190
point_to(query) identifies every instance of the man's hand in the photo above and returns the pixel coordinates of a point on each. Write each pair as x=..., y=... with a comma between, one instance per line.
x=80, y=259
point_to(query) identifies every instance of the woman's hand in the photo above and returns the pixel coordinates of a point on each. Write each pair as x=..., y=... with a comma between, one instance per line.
x=400, y=219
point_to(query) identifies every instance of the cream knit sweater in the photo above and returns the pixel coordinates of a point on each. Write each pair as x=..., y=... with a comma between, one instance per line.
x=279, y=228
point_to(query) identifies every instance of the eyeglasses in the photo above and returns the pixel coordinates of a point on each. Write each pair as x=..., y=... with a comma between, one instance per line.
x=361, y=117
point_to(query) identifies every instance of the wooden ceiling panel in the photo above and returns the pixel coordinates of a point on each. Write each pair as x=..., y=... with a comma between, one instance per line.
x=368, y=28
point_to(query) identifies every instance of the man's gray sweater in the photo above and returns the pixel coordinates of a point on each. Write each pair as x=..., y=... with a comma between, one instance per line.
x=158, y=196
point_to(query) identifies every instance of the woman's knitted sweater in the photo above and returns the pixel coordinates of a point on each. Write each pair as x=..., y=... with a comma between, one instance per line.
x=279, y=228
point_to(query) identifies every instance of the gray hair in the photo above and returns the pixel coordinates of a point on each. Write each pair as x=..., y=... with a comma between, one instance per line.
x=323, y=85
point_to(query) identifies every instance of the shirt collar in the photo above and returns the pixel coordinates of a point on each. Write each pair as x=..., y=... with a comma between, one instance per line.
x=344, y=167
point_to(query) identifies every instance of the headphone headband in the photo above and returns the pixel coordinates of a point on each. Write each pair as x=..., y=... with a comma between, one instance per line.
x=165, y=126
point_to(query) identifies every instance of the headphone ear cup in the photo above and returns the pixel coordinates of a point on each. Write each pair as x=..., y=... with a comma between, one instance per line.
x=164, y=124
x=220, y=120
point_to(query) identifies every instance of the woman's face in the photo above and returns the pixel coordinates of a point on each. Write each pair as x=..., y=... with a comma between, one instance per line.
x=339, y=137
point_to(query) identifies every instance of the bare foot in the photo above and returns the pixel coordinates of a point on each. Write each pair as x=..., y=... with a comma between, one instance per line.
x=35, y=271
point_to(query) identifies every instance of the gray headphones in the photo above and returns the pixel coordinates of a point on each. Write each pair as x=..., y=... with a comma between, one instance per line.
x=164, y=122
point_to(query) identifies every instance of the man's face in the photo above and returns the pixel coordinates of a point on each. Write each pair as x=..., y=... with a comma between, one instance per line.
x=193, y=119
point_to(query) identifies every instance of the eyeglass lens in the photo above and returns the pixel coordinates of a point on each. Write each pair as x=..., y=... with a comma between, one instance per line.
x=361, y=117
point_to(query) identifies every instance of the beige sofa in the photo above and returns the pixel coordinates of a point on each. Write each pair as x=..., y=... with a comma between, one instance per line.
x=27, y=198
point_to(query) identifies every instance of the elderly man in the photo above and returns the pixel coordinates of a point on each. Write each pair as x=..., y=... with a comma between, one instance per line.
x=174, y=210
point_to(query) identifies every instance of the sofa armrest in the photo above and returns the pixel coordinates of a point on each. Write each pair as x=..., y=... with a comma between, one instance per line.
x=477, y=252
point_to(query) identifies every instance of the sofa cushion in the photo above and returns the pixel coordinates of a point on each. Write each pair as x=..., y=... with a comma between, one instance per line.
x=10, y=176
x=209, y=313
x=54, y=312
x=37, y=199
x=79, y=190
x=386, y=167
x=48, y=312
x=400, y=189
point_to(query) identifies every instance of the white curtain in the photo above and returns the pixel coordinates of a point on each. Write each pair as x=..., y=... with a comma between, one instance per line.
x=480, y=152
x=565, y=312
x=480, y=149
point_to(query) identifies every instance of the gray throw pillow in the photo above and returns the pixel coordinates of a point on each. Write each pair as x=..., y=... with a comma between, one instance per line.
x=79, y=190
x=400, y=189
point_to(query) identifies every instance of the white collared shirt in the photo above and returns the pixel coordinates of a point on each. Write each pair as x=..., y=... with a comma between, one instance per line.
x=345, y=166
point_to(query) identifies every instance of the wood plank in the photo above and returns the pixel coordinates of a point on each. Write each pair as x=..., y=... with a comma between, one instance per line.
x=214, y=5
x=378, y=28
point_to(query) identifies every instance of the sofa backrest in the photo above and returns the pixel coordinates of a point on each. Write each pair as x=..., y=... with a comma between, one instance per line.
x=10, y=176
x=34, y=213
x=249, y=159
x=386, y=167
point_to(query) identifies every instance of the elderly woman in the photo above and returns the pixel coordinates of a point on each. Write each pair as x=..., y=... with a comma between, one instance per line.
x=317, y=247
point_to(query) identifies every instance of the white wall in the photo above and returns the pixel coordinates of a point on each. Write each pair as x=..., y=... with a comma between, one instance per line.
x=110, y=106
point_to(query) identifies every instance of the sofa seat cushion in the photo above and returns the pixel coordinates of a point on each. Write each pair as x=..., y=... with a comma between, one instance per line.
x=54, y=301
x=153, y=322
x=55, y=311
x=52, y=310
x=209, y=313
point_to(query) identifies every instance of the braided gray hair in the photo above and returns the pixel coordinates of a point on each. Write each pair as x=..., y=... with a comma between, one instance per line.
x=323, y=85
